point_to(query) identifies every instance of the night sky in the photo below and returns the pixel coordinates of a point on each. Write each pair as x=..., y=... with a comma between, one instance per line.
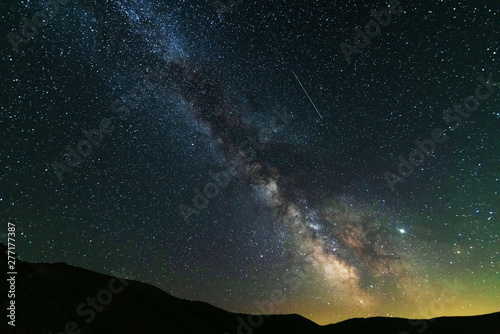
x=225, y=152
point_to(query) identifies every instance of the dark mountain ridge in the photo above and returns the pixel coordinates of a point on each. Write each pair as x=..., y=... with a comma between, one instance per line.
x=59, y=298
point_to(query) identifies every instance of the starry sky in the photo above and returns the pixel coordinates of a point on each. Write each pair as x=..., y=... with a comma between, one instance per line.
x=223, y=152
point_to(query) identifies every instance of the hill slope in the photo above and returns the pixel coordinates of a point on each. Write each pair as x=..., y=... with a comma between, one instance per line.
x=58, y=298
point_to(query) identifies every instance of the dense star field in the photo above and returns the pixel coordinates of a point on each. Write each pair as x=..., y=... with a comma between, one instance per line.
x=337, y=157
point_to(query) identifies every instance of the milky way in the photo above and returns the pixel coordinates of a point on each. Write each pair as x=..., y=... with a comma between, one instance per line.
x=257, y=151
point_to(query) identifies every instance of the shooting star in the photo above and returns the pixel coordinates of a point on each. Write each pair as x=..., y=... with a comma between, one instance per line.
x=296, y=77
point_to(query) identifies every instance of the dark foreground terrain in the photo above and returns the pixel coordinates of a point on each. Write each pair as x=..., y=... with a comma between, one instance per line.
x=58, y=298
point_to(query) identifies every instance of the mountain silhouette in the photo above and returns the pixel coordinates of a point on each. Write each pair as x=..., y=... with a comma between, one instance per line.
x=59, y=298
